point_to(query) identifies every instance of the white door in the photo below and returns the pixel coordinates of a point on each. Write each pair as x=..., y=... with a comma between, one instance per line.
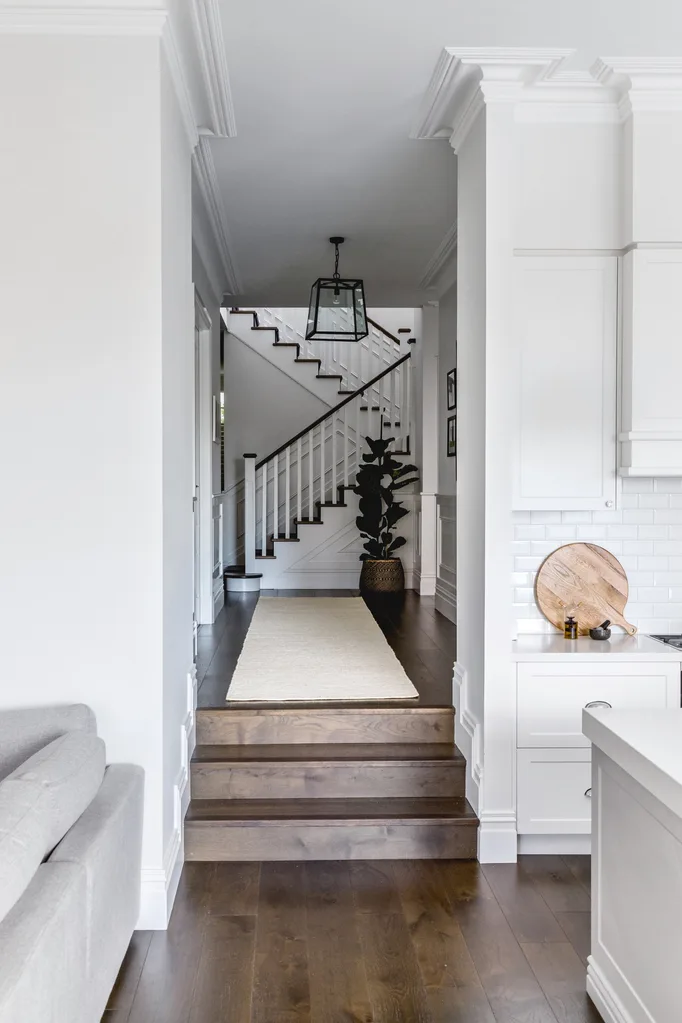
x=197, y=463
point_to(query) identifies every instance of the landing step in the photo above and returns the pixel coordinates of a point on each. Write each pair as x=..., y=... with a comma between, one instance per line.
x=306, y=723
x=329, y=771
x=330, y=829
x=239, y=572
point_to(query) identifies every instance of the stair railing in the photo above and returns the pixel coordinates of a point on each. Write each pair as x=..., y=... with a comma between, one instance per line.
x=310, y=470
x=355, y=362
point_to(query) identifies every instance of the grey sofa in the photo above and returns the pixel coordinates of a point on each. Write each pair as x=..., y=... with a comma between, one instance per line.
x=70, y=855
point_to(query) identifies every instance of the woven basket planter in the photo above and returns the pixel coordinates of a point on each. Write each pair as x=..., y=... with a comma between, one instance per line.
x=382, y=576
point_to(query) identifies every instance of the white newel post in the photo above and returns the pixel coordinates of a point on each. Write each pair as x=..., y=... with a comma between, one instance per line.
x=249, y=513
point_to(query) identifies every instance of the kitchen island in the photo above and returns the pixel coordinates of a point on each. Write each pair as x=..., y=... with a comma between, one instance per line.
x=634, y=971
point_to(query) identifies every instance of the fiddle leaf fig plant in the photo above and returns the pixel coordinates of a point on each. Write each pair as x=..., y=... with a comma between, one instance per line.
x=380, y=475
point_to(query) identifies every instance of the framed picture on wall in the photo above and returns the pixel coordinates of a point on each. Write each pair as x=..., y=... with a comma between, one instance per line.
x=451, y=436
x=452, y=389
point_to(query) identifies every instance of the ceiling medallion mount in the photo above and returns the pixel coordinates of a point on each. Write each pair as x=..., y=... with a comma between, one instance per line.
x=337, y=306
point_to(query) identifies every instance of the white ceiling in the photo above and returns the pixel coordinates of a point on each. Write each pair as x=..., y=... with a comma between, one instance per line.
x=325, y=94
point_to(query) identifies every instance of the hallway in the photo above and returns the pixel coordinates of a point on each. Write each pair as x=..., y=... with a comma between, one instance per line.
x=382, y=942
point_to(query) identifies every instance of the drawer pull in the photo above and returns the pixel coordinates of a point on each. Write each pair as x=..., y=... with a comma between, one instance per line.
x=588, y=792
x=598, y=703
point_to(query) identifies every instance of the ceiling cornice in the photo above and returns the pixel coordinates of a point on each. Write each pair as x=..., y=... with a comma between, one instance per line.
x=441, y=259
x=467, y=79
x=213, y=60
x=643, y=83
x=207, y=180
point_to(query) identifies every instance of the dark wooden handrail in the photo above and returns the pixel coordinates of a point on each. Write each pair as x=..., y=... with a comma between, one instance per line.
x=321, y=419
x=384, y=331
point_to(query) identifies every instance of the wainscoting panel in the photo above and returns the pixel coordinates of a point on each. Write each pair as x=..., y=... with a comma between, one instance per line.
x=446, y=578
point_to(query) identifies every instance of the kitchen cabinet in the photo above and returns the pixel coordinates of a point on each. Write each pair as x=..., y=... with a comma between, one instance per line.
x=565, y=381
x=554, y=683
x=651, y=412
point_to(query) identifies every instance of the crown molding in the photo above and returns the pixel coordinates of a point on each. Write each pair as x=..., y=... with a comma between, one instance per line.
x=179, y=79
x=213, y=62
x=207, y=180
x=535, y=81
x=440, y=260
x=85, y=21
x=643, y=83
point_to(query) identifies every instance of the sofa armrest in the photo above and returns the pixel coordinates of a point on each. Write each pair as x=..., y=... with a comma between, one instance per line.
x=42, y=949
x=24, y=732
x=107, y=842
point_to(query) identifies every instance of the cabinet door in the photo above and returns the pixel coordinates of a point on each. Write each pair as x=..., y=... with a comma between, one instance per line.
x=551, y=697
x=554, y=789
x=565, y=335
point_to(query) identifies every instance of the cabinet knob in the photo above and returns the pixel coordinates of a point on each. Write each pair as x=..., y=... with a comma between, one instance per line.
x=598, y=703
x=588, y=793
x=609, y=504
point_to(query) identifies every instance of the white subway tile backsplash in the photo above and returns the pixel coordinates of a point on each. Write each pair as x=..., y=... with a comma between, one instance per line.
x=667, y=546
x=635, y=485
x=654, y=500
x=576, y=517
x=591, y=533
x=529, y=532
x=670, y=516
x=644, y=533
x=638, y=516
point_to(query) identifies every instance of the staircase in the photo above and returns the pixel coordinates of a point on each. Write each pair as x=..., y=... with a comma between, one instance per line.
x=307, y=782
x=299, y=507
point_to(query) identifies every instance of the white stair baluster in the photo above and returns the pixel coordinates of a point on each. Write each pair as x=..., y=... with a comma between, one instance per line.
x=334, y=457
x=358, y=431
x=403, y=405
x=299, y=476
x=323, y=480
x=249, y=514
x=311, y=477
x=408, y=403
x=287, y=491
x=391, y=403
x=275, y=496
x=264, y=509
x=345, y=446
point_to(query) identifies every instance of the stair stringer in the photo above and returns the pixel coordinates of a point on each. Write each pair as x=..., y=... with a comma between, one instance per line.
x=283, y=357
x=327, y=554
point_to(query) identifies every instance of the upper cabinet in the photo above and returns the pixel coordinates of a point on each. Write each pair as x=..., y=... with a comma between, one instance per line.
x=564, y=375
x=651, y=406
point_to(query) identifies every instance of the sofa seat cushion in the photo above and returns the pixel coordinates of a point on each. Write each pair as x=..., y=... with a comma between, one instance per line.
x=39, y=802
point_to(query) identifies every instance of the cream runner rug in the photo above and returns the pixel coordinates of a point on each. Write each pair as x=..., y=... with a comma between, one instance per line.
x=317, y=648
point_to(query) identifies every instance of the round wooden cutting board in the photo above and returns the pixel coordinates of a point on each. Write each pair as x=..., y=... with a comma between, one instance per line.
x=586, y=578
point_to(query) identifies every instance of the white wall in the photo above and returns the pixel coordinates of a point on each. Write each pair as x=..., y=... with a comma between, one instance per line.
x=88, y=258
x=446, y=561
x=471, y=354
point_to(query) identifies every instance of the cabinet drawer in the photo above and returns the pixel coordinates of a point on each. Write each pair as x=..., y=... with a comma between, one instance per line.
x=551, y=792
x=551, y=697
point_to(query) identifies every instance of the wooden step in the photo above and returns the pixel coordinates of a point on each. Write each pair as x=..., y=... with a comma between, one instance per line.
x=330, y=829
x=305, y=723
x=327, y=771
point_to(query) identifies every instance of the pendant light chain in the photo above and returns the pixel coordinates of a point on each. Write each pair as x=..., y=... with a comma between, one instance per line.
x=337, y=275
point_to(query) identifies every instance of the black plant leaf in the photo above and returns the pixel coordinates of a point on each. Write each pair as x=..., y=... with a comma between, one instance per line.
x=378, y=477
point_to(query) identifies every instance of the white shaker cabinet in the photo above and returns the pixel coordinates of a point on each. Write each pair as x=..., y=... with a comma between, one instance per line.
x=565, y=382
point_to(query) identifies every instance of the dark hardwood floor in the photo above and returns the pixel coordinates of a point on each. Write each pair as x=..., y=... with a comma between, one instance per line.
x=360, y=942
x=423, y=640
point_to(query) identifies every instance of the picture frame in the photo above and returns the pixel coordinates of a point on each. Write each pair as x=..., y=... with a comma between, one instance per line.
x=451, y=389
x=451, y=436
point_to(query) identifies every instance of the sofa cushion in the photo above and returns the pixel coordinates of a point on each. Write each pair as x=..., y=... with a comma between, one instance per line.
x=24, y=732
x=39, y=802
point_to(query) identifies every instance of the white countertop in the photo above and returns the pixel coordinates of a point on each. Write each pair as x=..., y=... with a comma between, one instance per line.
x=646, y=744
x=620, y=647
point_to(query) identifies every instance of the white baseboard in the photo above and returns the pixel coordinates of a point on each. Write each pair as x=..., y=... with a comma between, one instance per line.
x=604, y=997
x=446, y=602
x=159, y=887
x=497, y=839
x=218, y=599
x=427, y=585
x=556, y=845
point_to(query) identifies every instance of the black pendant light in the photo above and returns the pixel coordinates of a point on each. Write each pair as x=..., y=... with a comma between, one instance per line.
x=337, y=307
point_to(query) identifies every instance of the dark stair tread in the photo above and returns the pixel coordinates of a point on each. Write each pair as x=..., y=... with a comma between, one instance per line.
x=239, y=572
x=331, y=504
x=365, y=753
x=308, y=522
x=283, y=344
x=268, y=556
x=455, y=809
x=318, y=361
